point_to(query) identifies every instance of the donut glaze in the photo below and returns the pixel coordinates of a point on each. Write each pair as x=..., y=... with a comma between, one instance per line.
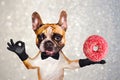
x=95, y=48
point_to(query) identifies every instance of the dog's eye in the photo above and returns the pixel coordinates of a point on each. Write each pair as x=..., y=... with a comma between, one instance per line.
x=57, y=37
x=41, y=37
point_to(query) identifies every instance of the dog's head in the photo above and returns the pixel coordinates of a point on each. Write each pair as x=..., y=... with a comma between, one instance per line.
x=50, y=38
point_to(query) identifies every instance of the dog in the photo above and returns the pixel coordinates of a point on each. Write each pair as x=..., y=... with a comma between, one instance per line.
x=50, y=61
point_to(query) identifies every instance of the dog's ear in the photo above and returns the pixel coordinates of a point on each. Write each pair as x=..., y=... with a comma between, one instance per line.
x=36, y=21
x=63, y=20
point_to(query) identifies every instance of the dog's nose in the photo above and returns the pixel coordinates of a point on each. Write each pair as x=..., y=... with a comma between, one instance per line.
x=48, y=45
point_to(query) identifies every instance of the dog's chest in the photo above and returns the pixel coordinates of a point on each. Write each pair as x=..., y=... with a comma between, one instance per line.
x=50, y=68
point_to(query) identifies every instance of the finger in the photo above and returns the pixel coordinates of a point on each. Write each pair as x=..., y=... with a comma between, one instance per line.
x=102, y=62
x=9, y=49
x=12, y=43
x=19, y=43
x=22, y=44
x=9, y=44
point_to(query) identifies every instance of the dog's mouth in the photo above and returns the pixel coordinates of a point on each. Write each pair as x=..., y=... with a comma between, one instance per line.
x=50, y=53
x=50, y=48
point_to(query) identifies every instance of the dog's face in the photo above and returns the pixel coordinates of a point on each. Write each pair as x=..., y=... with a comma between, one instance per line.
x=50, y=38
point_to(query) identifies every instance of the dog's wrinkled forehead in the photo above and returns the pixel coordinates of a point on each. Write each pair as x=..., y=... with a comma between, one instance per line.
x=48, y=32
x=48, y=29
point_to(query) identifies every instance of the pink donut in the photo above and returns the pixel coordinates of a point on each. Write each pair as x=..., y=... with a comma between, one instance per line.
x=95, y=48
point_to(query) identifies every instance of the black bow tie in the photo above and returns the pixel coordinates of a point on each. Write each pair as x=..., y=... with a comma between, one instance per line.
x=45, y=56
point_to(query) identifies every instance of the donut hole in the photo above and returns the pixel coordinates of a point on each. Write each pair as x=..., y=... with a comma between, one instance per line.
x=95, y=48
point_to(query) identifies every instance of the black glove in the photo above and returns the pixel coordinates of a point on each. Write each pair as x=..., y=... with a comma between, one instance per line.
x=86, y=62
x=18, y=48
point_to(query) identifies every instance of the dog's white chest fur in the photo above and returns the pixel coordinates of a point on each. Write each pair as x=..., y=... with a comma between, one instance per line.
x=50, y=69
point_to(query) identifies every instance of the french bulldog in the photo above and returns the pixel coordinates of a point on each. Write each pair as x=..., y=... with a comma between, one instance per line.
x=50, y=61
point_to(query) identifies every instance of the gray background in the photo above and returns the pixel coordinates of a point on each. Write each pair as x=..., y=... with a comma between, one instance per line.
x=85, y=18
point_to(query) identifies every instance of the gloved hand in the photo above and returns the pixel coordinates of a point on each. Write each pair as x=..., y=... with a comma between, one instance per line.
x=86, y=62
x=18, y=48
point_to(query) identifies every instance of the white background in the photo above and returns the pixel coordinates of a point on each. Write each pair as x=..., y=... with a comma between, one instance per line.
x=85, y=18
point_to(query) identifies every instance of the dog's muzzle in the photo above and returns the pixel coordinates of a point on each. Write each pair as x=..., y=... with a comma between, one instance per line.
x=48, y=45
